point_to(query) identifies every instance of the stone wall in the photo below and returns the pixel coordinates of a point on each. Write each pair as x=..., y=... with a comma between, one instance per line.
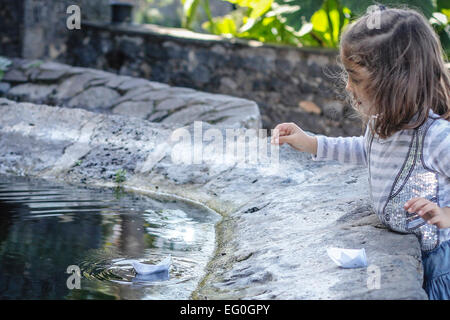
x=37, y=28
x=62, y=85
x=287, y=83
x=11, y=27
x=45, y=27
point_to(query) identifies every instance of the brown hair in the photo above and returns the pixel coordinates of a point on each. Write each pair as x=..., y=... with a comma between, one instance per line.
x=406, y=69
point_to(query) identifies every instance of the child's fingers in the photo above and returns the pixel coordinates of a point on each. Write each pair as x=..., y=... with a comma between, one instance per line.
x=285, y=139
x=435, y=220
x=418, y=204
x=281, y=127
x=275, y=139
x=284, y=128
x=411, y=202
x=429, y=209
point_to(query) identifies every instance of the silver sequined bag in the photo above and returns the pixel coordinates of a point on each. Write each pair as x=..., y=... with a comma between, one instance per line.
x=413, y=180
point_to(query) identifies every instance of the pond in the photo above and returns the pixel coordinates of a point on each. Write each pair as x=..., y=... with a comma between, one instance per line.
x=45, y=227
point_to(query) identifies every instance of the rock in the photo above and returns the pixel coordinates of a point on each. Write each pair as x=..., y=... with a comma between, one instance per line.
x=4, y=87
x=132, y=84
x=201, y=74
x=50, y=75
x=54, y=66
x=31, y=92
x=226, y=82
x=114, y=82
x=154, y=95
x=72, y=86
x=134, y=109
x=170, y=104
x=94, y=98
x=158, y=85
x=187, y=115
x=309, y=107
x=15, y=76
x=134, y=95
x=156, y=116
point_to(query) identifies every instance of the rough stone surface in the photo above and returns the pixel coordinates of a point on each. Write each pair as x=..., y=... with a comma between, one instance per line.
x=277, y=220
x=62, y=85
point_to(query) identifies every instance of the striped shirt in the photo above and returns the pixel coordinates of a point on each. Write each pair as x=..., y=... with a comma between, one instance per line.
x=388, y=155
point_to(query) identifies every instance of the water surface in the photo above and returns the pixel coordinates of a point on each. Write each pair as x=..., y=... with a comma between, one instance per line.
x=46, y=227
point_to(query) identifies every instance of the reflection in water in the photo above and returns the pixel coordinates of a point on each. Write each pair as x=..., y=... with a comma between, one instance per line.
x=45, y=227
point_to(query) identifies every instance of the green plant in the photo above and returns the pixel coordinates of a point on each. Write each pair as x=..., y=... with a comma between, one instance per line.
x=120, y=176
x=190, y=11
x=305, y=22
x=326, y=24
x=440, y=21
x=4, y=64
x=119, y=192
x=260, y=20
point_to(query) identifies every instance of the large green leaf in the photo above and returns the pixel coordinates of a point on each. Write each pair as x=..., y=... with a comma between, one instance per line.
x=221, y=26
x=442, y=4
x=444, y=7
x=271, y=30
x=328, y=22
x=305, y=10
x=259, y=7
x=189, y=12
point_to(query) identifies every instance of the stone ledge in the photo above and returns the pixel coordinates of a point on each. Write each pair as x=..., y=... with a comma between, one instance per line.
x=276, y=223
x=204, y=39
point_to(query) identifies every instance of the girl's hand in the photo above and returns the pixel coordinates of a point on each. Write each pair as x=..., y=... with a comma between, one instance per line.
x=430, y=211
x=292, y=134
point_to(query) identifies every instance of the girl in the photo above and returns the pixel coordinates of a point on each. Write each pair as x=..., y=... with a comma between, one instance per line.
x=399, y=85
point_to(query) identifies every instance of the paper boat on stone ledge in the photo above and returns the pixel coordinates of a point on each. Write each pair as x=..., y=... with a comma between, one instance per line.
x=145, y=269
x=348, y=258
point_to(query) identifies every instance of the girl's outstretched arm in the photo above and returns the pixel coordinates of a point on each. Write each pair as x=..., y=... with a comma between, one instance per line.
x=347, y=150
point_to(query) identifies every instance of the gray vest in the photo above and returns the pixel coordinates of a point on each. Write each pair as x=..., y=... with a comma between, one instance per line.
x=413, y=180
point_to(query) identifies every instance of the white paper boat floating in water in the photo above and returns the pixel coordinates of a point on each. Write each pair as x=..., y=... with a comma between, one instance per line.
x=146, y=269
x=348, y=258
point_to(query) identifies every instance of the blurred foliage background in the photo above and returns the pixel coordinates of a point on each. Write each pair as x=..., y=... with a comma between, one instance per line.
x=303, y=23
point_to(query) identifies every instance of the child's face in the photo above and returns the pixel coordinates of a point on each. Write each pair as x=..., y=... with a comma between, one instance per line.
x=357, y=76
